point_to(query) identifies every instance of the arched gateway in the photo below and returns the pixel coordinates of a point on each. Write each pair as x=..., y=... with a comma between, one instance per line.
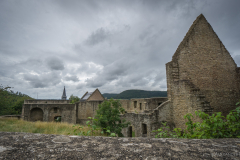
x=36, y=114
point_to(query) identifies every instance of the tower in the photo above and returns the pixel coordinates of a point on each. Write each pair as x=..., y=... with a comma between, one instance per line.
x=64, y=97
x=202, y=74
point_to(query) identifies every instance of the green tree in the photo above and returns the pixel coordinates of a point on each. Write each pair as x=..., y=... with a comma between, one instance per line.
x=6, y=100
x=18, y=106
x=108, y=117
x=10, y=102
x=73, y=99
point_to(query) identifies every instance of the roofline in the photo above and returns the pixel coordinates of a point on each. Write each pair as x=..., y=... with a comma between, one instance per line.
x=91, y=94
x=84, y=95
x=94, y=92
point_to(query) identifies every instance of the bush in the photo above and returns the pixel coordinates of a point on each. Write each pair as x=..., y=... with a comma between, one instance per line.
x=214, y=126
x=73, y=99
x=108, y=117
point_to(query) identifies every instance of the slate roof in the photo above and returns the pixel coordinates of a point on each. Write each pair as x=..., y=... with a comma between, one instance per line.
x=64, y=97
x=86, y=96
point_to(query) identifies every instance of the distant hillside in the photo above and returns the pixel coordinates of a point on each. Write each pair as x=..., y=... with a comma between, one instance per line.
x=11, y=102
x=128, y=94
x=109, y=95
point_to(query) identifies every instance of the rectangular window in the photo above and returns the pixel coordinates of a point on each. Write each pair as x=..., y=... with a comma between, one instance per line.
x=135, y=104
x=144, y=128
x=140, y=104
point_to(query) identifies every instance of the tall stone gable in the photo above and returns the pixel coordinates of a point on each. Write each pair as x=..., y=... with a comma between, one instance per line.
x=202, y=74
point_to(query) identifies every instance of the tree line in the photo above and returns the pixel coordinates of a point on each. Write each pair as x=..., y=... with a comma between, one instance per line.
x=128, y=94
x=11, y=102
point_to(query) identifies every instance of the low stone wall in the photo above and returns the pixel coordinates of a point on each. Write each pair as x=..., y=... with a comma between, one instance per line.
x=43, y=146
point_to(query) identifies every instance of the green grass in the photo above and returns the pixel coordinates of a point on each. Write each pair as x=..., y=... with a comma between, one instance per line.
x=15, y=125
x=133, y=134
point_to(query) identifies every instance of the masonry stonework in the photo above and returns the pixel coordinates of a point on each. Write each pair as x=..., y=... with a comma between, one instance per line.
x=35, y=110
x=201, y=76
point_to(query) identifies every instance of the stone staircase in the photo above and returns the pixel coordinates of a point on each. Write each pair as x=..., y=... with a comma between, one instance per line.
x=202, y=103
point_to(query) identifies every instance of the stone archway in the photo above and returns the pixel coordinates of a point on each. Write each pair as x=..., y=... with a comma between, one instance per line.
x=36, y=114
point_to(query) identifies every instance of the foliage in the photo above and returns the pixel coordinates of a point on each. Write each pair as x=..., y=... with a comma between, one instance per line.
x=164, y=132
x=15, y=125
x=128, y=94
x=58, y=119
x=73, y=99
x=92, y=128
x=108, y=117
x=11, y=102
x=18, y=105
x=214, y=126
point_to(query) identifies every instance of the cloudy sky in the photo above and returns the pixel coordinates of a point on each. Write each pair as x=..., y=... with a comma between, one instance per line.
x=112, y=45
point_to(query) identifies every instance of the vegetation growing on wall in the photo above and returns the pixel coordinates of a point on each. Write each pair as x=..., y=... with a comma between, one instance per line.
x=108, y=117
x=73, y=99
x=11, y=102
x=214, y=126
x=128, y=94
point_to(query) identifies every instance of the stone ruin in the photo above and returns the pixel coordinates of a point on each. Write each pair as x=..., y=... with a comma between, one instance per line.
x=201, y=76
x=28, y=146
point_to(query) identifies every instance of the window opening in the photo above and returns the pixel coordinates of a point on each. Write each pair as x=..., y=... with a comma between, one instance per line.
x=135, y=104
x=57, y=119
x=55, y=110
x=130, y=131
x=144, y=128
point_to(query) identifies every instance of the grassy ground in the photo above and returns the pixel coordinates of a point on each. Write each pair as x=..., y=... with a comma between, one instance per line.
x=15, y=125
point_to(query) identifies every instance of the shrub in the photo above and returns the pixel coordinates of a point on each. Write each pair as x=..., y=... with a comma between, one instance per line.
x=108, y=117
x=214, y=126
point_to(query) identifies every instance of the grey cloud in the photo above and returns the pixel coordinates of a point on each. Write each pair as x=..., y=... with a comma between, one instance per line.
x=237, y=60
x=55, y=63
x=141, y=82
x=95, y=82
x=73, y=78
x=43, y=80
x=80, y=86
x=98, y=36
x=131, y=40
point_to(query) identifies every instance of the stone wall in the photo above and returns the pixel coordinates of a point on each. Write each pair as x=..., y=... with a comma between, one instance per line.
x=96, y=96
x=44, y=146
x=86, y=109
x=47, y=112
x=144, y=123
x=142, y=105
x=46, y=101
x=202, y=74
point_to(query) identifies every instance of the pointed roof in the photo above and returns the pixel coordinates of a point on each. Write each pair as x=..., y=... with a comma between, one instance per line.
x=200, y=19
x=64, y=97
x=87, y=96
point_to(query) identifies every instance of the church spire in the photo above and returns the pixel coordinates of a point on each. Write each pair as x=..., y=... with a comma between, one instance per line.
x=64, y=97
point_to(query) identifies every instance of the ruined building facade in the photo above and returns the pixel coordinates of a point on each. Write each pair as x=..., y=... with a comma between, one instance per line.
x=201, y=76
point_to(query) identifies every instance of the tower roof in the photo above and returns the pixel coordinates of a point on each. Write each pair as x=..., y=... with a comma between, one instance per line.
x=89, y=96
x=196, y=24
x=64, y=97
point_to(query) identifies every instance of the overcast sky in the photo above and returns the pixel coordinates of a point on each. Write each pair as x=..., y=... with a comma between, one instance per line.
x=112, y=45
